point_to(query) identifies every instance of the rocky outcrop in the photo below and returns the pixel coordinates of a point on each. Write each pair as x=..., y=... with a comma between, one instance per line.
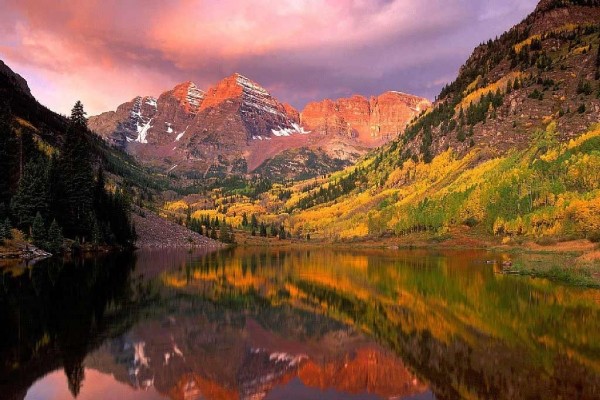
x=14, y=79
x=371, y=122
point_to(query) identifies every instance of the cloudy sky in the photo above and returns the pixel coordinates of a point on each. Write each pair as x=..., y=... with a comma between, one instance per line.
x=105, y=52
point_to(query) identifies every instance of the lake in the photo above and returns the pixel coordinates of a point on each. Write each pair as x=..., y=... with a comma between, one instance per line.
x=294, y=324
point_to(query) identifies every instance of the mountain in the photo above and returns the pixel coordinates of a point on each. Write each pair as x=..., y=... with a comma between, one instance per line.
x=509, y=152
x=237, y=127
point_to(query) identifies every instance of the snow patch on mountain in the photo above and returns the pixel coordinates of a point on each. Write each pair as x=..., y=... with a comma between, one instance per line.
x=289, y=359
x=249, y=86
x=194, y=96
x=177, y=351
x=142, y=130
x=180, y=135
x=151, y=101
x=289, y=131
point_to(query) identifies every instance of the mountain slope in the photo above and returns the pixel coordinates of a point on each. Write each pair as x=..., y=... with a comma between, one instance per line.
x=510, y=148
x=551, y=55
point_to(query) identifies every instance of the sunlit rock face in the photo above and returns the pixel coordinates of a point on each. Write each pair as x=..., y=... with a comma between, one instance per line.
x=371, y=122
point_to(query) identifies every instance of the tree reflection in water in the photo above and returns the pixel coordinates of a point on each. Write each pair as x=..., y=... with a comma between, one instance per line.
x=242, y=323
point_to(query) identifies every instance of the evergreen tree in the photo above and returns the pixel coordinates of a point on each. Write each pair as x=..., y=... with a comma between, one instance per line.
x=188, y=216
x=517, y=84
x=8, y=150
x=231, y=235
x=38, y=231
x=263, y=229
x=274, y=230
x=76, y=176
x=78, y=116
x=55, y=238
x=597, y=76
x=32, y=194
x=282, y=234
x=244, y=220
x=4, y=232
x=3, y=211
x=224, y=234
x=8, y=229
x=96, y=232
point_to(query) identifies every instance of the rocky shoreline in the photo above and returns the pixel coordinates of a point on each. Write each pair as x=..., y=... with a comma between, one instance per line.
x=26, y=252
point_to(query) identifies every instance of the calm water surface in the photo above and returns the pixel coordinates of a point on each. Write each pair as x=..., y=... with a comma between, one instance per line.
x=293, y=324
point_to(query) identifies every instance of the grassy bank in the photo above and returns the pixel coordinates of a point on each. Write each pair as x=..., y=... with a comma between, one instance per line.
x=584, y=275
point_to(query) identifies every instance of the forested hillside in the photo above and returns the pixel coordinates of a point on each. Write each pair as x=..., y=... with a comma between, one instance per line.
x=53, y=184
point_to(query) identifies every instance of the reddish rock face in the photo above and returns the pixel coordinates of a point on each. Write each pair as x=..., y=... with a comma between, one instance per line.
x=371, y=122
x=189, y=96
x=236, y=125
x=241, y=107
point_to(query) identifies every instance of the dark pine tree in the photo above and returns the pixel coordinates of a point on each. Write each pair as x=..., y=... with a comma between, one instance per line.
x=38, y=231
x=32, y=194
x=224, y=234
x=598, y=64
x=76, y=177
x=55, y=238
x=8, y=152
x=263, y=229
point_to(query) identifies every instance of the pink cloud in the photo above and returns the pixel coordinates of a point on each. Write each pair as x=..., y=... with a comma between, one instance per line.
x=106, y=51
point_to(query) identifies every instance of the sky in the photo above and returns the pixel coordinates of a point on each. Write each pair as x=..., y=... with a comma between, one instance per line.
x=105, y=52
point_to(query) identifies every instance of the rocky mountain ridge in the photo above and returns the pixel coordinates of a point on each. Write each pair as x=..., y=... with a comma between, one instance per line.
x=237, y=126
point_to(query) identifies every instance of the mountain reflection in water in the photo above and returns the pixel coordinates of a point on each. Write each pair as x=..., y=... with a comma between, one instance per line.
x=293, y=324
